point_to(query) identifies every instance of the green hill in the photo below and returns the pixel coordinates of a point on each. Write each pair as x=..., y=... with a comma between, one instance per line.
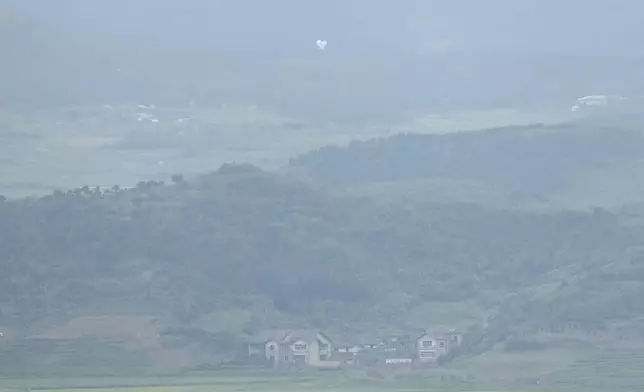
x=575, y=165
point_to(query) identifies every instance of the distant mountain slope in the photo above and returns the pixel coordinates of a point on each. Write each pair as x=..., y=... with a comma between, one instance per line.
x=45, y=67
x=542, y=160
x=426, y=58
x=603, y=28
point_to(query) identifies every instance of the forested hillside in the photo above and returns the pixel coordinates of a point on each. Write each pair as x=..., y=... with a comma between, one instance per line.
x=186, y=249
x=598, y=165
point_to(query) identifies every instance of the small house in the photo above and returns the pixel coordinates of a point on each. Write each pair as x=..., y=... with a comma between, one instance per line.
x=436, y=342
x=291, y=348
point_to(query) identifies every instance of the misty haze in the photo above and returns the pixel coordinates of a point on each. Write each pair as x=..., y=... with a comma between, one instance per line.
x=337, y=196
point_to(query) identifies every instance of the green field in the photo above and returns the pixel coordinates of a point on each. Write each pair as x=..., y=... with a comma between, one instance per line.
x=550, y=370
x=246, y=383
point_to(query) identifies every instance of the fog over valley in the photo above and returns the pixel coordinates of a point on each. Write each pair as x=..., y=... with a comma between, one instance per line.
x=338, y=196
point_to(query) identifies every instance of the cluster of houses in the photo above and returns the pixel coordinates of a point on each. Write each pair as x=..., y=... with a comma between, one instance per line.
x=313, y=348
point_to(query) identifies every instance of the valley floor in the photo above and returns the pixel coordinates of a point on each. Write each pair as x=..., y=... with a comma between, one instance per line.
x=548, y=371
x=241, y=383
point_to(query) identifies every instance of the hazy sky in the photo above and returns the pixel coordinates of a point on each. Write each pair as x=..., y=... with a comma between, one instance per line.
x=572, y=26
x=72, y=49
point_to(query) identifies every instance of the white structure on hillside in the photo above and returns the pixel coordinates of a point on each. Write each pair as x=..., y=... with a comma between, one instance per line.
x=595, y=101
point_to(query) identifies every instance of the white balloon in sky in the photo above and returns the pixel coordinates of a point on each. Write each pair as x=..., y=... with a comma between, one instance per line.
x=321, y=44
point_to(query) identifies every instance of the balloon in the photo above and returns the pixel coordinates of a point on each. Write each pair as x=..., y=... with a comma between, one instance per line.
x=321, y=44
